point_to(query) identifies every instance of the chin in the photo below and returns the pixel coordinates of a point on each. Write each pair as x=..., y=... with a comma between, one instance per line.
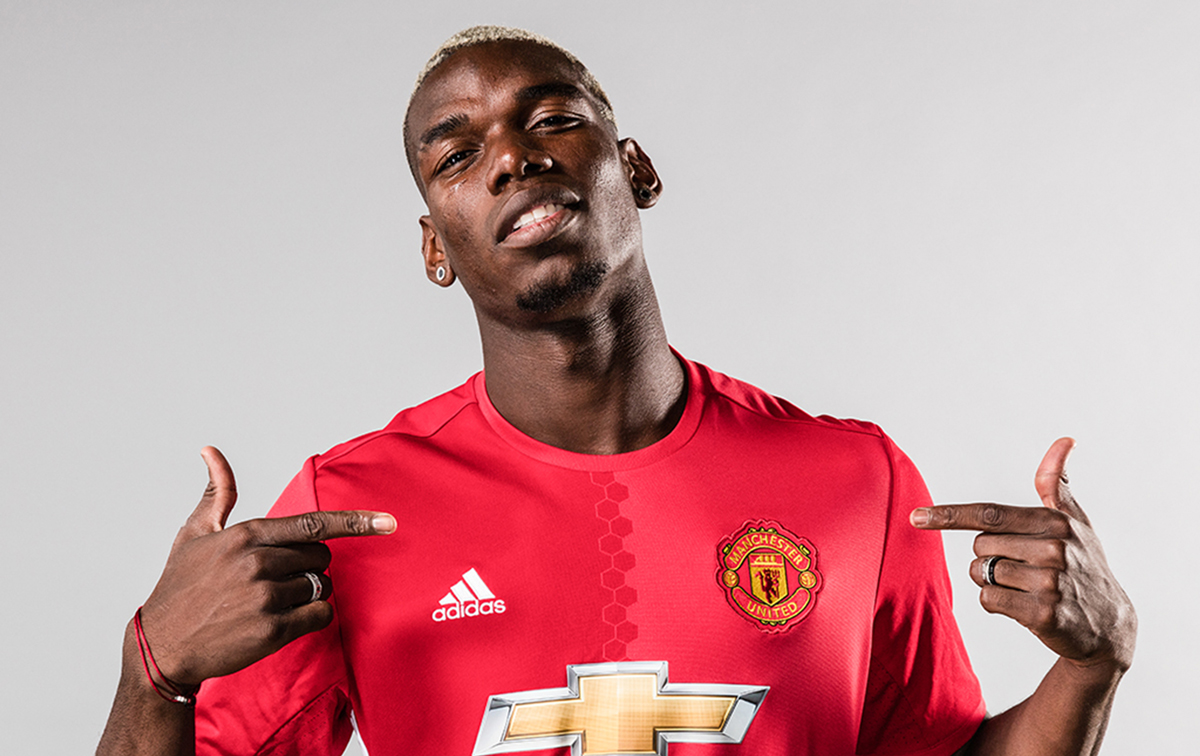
x=585, y=278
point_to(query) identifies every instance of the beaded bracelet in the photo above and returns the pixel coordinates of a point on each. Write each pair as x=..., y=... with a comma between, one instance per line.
x=172, y=690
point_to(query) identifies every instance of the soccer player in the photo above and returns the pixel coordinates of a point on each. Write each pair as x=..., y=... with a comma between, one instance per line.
x=596, y=543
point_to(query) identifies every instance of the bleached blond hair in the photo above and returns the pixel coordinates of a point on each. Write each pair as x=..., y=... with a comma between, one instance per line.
x=479, y=35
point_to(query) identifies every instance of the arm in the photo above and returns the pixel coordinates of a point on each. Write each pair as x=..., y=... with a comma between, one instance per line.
x=1051, y=577
x=1067, y=714
x=227, y=598
x=141, y=722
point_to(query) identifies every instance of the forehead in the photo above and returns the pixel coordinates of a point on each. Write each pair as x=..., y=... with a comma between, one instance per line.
x=484, y=71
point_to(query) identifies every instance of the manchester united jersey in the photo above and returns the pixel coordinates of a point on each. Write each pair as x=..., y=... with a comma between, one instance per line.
x=748, y=585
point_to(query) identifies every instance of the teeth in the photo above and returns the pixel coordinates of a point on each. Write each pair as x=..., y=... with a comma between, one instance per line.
x=535, y=215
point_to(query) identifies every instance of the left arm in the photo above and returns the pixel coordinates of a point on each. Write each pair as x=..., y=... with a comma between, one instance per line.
x=1045, y=568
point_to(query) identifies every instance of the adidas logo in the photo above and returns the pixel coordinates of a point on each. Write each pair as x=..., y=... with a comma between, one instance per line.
x=469, y=597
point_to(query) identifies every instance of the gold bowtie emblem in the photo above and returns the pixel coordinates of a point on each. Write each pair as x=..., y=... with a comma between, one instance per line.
x=618, y=708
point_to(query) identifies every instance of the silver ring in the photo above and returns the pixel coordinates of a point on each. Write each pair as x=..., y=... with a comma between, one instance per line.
x=316, y=586
x=988, y=568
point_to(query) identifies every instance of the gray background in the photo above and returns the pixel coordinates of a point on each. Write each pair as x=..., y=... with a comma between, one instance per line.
x=972, y=222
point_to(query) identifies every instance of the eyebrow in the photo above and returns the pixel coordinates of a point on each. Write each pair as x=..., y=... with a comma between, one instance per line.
x=550, y=89
x=443, y=127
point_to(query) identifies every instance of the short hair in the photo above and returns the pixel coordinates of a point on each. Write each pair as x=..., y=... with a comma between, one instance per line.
x=479, y=35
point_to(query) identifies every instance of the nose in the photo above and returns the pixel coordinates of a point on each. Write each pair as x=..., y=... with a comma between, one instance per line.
x=514, y=156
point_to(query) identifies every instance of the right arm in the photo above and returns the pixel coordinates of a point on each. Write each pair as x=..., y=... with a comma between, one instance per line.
x=227, y=598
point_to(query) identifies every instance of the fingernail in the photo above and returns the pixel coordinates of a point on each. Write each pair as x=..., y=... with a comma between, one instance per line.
x=919, y=517
x=383, y=523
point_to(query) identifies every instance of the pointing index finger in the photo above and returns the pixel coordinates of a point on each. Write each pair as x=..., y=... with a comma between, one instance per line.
x=991, y=518
x=311, y=527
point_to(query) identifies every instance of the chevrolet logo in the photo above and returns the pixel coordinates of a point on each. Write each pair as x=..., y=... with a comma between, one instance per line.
x=617, y=708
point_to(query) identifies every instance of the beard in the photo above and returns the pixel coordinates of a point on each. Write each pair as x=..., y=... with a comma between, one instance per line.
x=585, y=278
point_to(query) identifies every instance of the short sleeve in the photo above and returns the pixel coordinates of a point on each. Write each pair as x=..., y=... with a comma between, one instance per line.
x=922, y=697
x=296, y=700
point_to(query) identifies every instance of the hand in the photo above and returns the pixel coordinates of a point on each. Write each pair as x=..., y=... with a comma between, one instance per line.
x=231, y=596
x=1052, y=577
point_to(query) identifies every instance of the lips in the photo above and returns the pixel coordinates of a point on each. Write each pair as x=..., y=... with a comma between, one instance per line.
x=534, y=213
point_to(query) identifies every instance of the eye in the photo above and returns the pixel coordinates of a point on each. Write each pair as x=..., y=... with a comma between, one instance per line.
x=556, y=121
x=452, y=160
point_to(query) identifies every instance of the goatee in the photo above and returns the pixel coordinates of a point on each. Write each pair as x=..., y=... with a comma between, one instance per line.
x=585, y=278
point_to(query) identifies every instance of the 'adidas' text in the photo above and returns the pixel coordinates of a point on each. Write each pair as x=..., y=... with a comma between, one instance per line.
x=469, y=597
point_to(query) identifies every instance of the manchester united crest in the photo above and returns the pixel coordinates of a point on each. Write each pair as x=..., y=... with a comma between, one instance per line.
x=769, y=574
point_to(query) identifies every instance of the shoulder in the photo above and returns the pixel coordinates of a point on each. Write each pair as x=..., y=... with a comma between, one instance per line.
x=412, y=425
x=746, y=398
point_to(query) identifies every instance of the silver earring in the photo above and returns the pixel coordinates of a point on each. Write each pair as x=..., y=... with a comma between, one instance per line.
x=441, y=273
x=644, y=194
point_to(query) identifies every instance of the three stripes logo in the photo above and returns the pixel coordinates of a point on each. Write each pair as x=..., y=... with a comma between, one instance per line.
x=469, y=597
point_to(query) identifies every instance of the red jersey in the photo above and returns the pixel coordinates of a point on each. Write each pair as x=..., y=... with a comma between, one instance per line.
x=748, y=585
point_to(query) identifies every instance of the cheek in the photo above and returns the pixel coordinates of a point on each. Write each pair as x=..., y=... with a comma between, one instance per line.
x=613, y=182
x=466, y=245
x=456, y=222
x=608, y=169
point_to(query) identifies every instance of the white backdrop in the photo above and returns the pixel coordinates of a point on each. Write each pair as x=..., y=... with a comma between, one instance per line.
x=974, y=223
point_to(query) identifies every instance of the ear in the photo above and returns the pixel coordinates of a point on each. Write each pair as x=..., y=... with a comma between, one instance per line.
x=643, y=178
x=434, y=254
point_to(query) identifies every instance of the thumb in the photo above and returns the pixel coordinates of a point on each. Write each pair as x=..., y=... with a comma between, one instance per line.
x=219, y=496
x=1051, y=480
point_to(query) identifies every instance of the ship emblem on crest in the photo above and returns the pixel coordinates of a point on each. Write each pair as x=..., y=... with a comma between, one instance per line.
x=769, y=574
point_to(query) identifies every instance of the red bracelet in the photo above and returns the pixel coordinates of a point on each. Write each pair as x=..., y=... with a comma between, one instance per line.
x=173, y=692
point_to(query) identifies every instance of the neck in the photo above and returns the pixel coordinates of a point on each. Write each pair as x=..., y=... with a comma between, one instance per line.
x=604, y=383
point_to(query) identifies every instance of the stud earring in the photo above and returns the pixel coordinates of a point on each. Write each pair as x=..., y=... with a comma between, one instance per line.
x=644, y=194
x=441, y=273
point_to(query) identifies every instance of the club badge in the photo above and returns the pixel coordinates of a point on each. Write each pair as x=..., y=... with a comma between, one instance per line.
x=769, y=575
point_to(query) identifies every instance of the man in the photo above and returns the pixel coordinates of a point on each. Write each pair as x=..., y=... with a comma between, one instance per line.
x=595, y=543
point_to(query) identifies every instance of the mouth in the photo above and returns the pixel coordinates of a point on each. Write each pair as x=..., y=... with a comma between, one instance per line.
x=535, y=215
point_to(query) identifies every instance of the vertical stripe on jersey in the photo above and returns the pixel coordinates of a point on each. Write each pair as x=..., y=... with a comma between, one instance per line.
x=614, y=614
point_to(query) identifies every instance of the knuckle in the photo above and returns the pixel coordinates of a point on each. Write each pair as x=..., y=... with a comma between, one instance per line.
x=1055, y=553
x=1058, y=524
x=323, y=556
x=241, y=536
x=946, y=516
x=989, y=599
x=311, y=525
x=256, y=565
x=992, y=515
x=309, y=618
x=322, y=614
x=980, y=545
x=275, y=630
x=1047, y=582
x=356, y=524
x=261, y=595
x=1044, y=615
